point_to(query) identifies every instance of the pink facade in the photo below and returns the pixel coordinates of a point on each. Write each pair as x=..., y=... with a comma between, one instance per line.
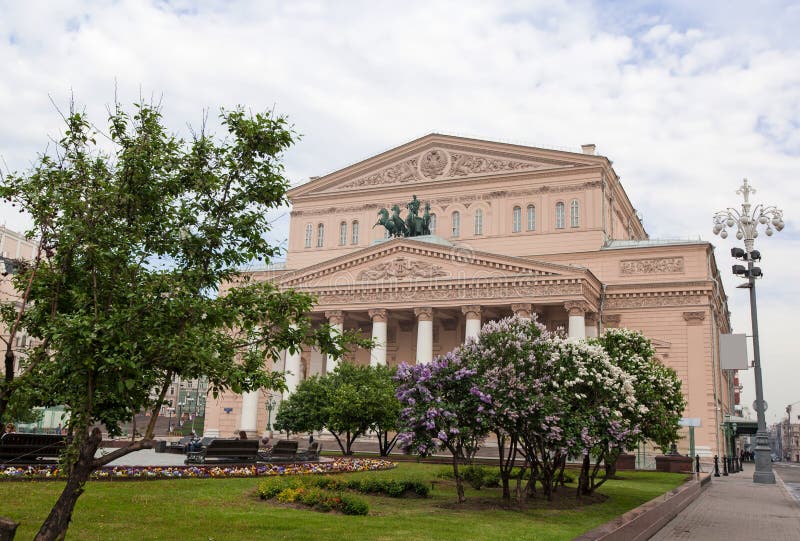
x=517, y=230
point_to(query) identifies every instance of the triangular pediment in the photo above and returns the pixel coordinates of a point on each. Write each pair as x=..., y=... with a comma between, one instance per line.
x=441, y=158
x=409, y=260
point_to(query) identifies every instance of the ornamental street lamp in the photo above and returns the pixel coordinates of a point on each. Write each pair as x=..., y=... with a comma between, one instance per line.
x=270, y=406
x=746, y=224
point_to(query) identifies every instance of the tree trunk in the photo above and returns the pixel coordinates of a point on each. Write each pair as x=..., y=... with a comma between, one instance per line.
x=459, y=481
x=55, y=525
x=8, y=378
x=583, y=480
x=611, y=462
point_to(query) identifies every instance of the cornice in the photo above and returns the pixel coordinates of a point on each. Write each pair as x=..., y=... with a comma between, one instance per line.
x=496, y=262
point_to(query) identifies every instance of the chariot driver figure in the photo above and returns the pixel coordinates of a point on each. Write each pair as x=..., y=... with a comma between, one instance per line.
x=413, y=207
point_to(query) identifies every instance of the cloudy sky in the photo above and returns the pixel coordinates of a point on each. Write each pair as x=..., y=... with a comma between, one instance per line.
x=685, y=97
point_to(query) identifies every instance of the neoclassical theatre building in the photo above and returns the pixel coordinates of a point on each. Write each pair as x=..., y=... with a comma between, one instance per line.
x=511, y=230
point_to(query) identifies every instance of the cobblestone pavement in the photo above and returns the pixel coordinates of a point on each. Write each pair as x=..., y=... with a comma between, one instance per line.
x=734, y=508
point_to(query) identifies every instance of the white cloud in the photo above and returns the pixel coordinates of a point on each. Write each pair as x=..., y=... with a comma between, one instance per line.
x=686, y=97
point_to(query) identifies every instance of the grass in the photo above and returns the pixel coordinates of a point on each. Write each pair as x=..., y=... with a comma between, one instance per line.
x=229, y=509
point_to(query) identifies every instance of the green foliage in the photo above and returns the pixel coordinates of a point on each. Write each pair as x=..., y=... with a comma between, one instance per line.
x=394, y=487
x=352, y=505
x=347, y=402
x=138, y=282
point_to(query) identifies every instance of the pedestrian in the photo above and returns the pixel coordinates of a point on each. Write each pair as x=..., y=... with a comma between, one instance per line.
x=310, y=438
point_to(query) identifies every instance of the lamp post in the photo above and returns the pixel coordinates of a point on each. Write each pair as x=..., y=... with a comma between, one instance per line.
x=746, y=224
x=270, y=406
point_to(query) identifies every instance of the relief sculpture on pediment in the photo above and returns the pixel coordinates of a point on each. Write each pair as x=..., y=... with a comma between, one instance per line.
x=401, y=268
x=466, y=164
x=438, y=163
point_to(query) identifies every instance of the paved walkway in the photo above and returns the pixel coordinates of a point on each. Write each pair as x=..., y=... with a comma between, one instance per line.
x=734, y=508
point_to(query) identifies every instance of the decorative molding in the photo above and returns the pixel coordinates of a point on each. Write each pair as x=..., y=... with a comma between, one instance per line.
x=402, y=267
x=464, y=199
x=658, y=265
x=445, y=293
x=335, y=317
x=612, y=320
x=424, y=313
x=378, y=315
x=434, y=163
x=522, y=309
x=650, y=300
x=577, y=308
x=473, y=164
x=472, y=311
x=694, y=318
x=591, y=318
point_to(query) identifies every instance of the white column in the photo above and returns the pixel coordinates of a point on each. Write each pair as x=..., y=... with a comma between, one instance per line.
x=577, y=321
x=293, y=371
x=424, y=334
x=473, y=326
x=591, y=325
x=523, y=310
x=249, y=413
x=336, y=322
x=378, y=354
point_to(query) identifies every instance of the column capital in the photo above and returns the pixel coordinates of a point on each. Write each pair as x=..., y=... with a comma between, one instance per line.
x=472, y=311
x=523, y=309
x=378, y=315
x=335, y=317
x=611, y=320
x=424, y=313
x=577, y=308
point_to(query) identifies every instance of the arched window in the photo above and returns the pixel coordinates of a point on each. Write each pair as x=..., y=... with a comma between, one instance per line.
x=432, y=224
x=456, y=224
x=531, y=218
x=559, y=215
x=320, y=235
x=574, y=213
x=516, y=220
x=355, y=233
x=309, y=233
x=342, y=233
x=479, y=222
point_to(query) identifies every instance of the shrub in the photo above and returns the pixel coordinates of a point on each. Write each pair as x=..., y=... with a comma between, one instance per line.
x=352, y=505
x=289, y=495
x=475, y=476
x=269, y=488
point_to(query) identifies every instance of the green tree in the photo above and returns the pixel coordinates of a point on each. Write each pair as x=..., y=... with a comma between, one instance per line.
x=348, y=402
x=659, y=398
x=138, y=233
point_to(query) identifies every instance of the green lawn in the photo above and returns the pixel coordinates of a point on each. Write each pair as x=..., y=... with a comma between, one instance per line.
x=229, y=509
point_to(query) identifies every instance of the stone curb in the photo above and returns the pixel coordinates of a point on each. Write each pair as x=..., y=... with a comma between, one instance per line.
x=643, y=522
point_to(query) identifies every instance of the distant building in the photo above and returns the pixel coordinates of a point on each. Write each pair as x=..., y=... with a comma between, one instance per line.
x=513, y=230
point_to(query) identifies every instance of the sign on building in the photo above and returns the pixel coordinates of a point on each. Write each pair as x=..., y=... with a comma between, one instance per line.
x=733, y=352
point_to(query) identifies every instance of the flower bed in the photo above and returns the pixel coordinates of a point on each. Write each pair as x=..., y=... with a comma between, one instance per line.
x=341, y=465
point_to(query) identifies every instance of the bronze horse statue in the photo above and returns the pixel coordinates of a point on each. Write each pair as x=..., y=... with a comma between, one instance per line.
x=391, y=223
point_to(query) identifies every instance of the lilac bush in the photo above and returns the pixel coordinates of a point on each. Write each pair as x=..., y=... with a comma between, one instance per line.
x=442, y=408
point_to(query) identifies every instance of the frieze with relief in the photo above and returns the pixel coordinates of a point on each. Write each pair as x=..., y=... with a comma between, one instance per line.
x=660, y=265
x=401, y=268
x=494, y=292
x=654, y=301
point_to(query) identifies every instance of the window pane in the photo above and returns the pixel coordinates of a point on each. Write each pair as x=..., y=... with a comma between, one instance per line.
x=355, y=233
x=516, y=222
x=479, y=222
x=531, y=218
x=433, y=224
x=559, y=215
x=574, y=213
x=320, y=236
x=343, y=233
x=456, y=224
x=309, y=232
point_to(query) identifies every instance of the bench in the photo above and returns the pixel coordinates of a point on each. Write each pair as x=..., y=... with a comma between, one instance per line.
x=31, y=448
x=180, y=445
x=234, y=451
x=311, y=454
x=283, y=451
